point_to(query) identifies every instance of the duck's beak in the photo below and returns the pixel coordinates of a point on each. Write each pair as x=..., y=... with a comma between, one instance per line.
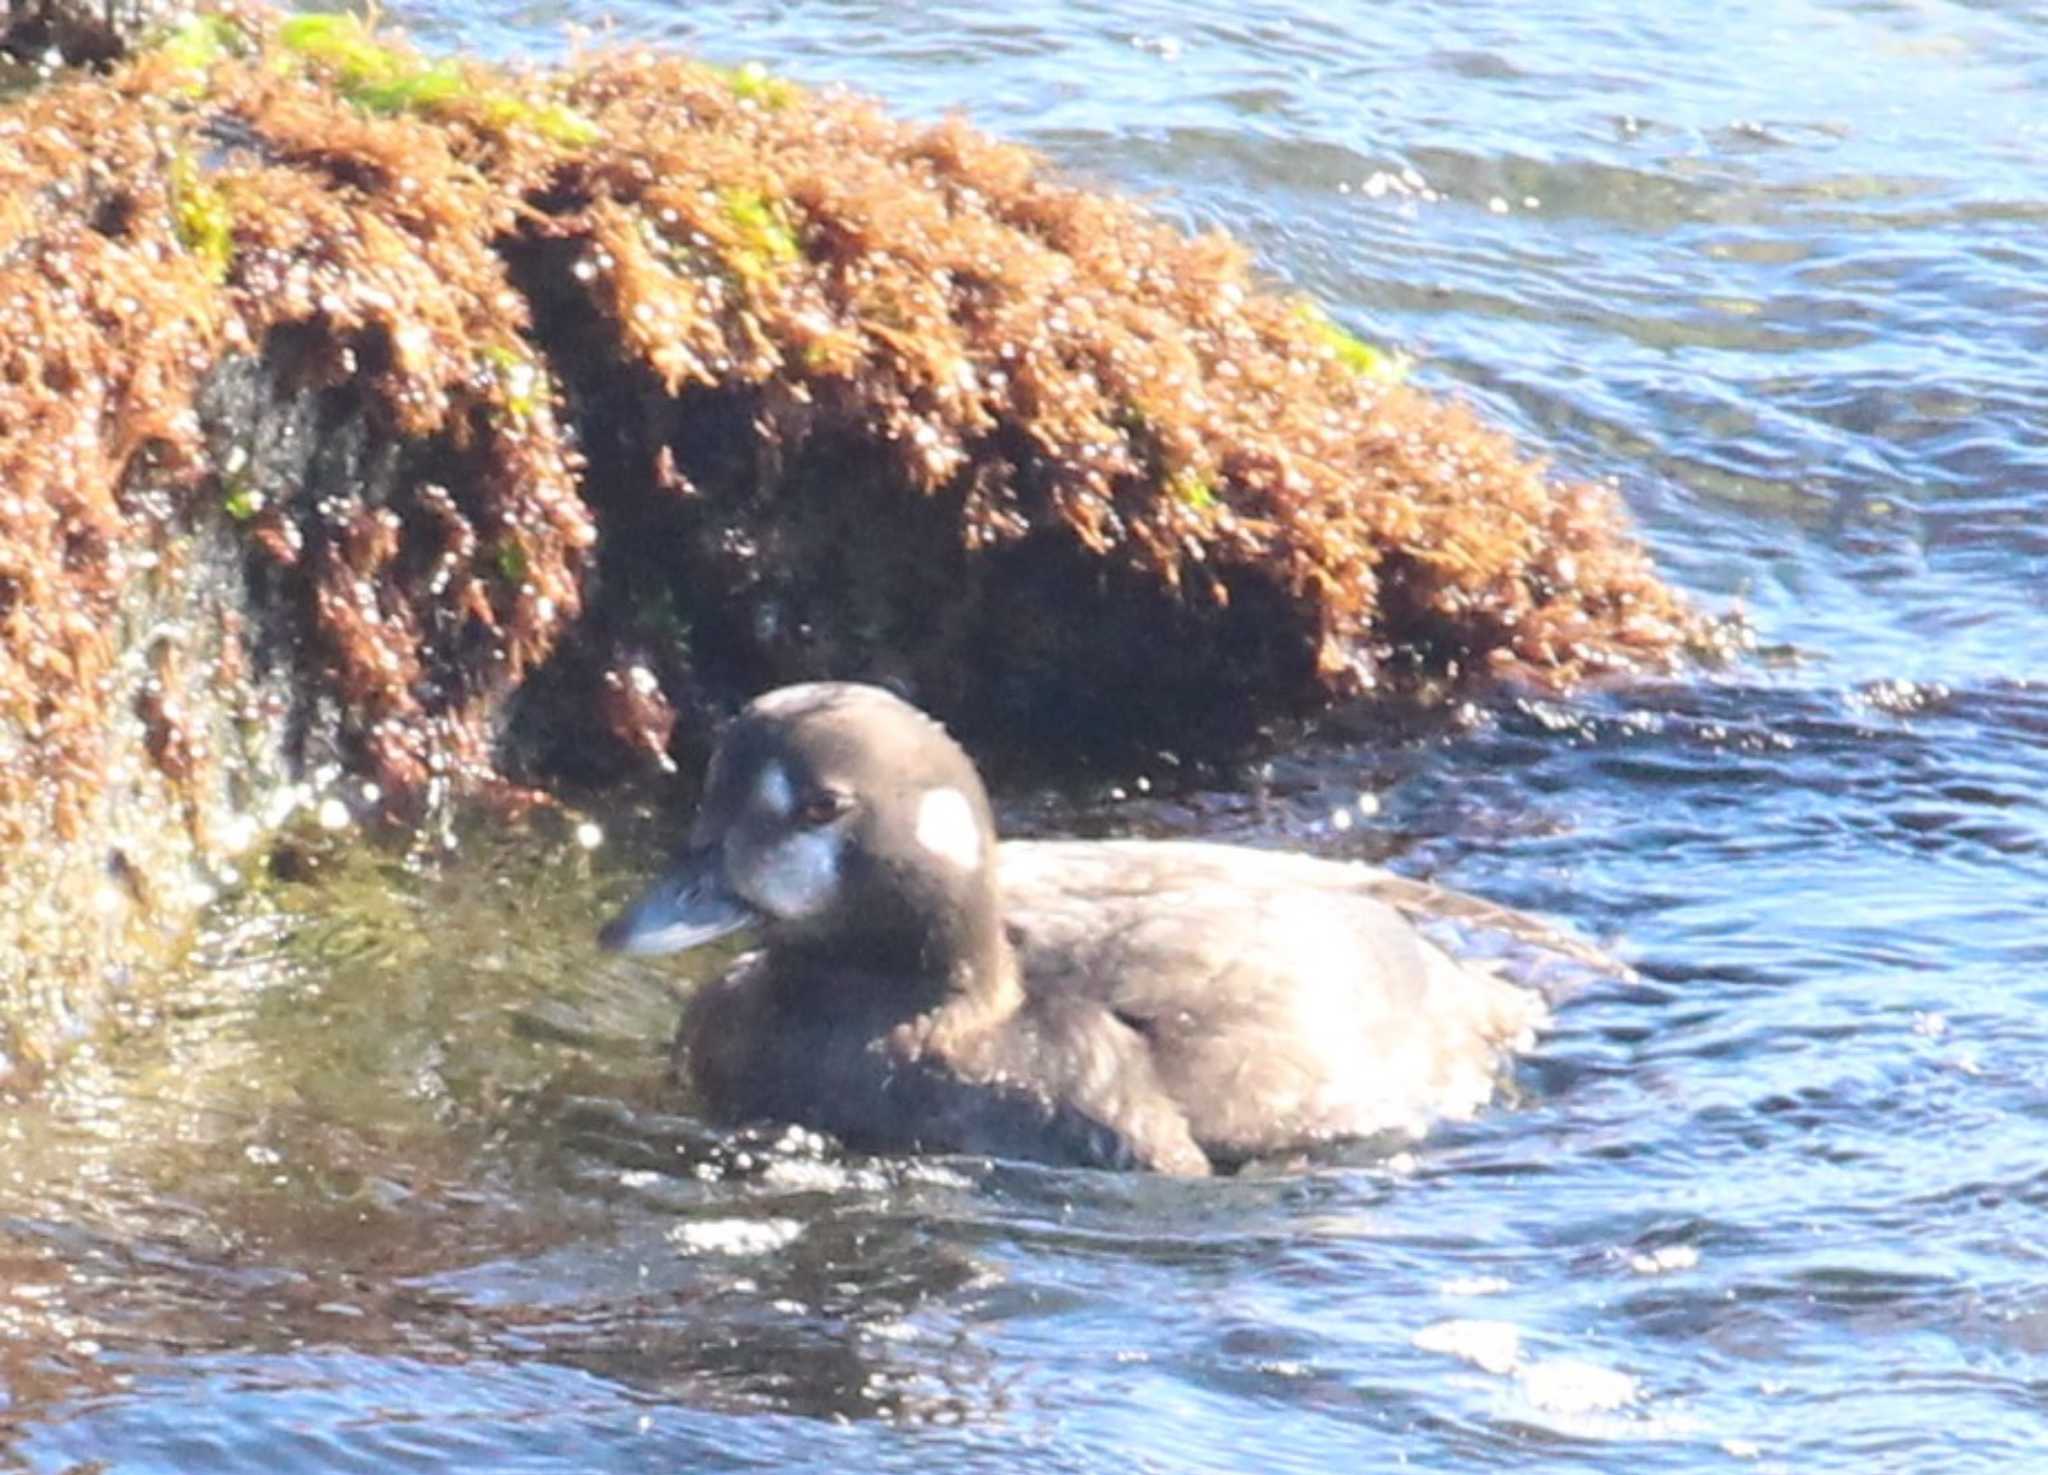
x=687, y=906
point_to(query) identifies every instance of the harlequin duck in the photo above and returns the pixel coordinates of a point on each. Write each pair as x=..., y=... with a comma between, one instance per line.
x=1172, y=1005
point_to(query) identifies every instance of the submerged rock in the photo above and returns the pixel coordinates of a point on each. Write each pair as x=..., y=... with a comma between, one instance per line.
x=437, y=425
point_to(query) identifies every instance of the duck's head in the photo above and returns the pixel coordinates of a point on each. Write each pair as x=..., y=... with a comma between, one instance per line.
x=837, y=818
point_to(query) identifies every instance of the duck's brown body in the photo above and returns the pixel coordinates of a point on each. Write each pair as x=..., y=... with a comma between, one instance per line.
x=1167, y=1005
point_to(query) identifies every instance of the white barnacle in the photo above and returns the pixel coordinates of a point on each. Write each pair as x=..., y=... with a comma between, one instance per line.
x=946, y=826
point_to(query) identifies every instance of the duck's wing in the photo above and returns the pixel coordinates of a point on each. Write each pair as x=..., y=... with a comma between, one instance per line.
x=1283, y=999
x=1425, y=901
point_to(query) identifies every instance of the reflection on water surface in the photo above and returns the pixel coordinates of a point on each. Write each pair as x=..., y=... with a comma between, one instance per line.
x=394, y=1187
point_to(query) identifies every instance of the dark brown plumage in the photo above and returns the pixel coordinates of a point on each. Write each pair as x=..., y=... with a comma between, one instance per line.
x=1176, y=1006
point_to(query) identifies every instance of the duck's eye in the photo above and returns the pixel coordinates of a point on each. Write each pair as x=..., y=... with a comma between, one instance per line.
x=821, y=808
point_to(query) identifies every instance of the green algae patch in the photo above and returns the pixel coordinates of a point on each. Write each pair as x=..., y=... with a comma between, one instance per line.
x=241, y=502
x=387, y=78
x=761, y=231
x=1353, y=352
x=751, y=82
x=1192, y=488
x=523, y=384
x=202, y=217
x=196, y=44
x=342, y=43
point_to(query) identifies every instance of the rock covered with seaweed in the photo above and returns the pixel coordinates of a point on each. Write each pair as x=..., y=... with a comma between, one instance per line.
x=440, y=425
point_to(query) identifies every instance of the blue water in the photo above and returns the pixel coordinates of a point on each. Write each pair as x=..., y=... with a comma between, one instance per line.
x=392, y=1190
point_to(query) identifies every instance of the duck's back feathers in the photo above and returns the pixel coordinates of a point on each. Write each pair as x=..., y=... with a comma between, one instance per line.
x=1282, y=1000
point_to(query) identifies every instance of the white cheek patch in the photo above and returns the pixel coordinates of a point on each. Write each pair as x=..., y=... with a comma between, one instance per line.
x=946, y=826
x=774, y=792
x=798, y=878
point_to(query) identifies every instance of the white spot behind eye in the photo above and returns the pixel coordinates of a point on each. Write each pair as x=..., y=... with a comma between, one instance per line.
x=774, y=792
x=946, y=826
